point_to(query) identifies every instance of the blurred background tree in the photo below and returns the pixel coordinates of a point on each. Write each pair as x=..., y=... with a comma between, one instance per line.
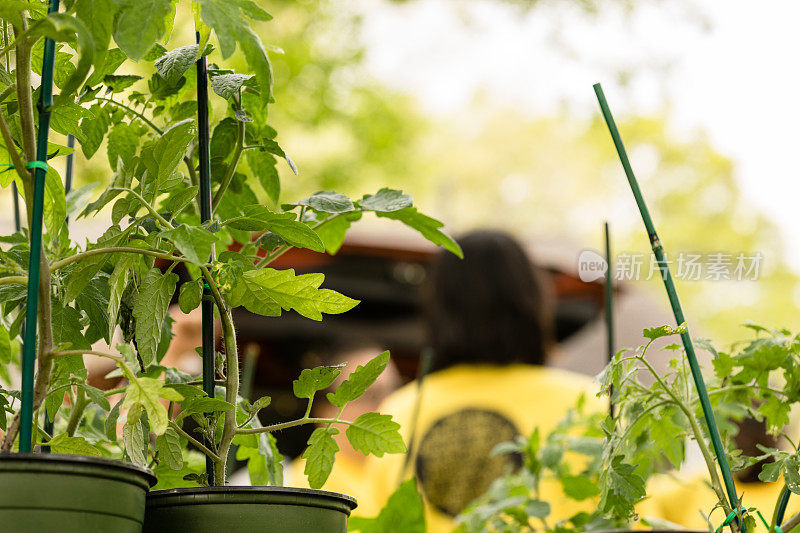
x=548, y=176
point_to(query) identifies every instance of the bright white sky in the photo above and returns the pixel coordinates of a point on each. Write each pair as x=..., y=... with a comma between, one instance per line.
x=729, y=68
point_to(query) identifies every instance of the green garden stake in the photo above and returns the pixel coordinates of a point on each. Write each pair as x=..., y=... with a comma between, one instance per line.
x=425, y=363
x=207, y=305
x=609, y=307
x=672, y=294
x=40, y=166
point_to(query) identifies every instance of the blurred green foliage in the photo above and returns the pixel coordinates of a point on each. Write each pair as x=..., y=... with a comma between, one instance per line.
x=551, y=177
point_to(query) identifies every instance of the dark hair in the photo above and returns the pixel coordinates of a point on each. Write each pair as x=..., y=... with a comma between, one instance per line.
x=489, y=307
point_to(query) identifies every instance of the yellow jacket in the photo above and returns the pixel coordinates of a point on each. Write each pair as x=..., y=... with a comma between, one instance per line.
x=682, y=501
x=465, y=412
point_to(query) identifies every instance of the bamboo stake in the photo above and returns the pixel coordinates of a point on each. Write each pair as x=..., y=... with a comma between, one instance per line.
x=672, y=294
x=29, y=346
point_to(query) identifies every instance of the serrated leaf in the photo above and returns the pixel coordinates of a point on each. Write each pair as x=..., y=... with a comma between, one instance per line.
x=262, y=165
x=359, y=380
x=191, y=294
x=193, y=242
x=119, y=82
x=259, y=218
x=320, y=455
x=117, y=283
x=169, y=449
x=86, y=269
x=97, y=396
x=55, y=203
x=386, y=200
x=662, y=331
x=791, y=474
x=203, y=404
x=67, y=328
x=133, y=436
x=427, y=226
x=169, y=150
x=267, y=287
x=328, y=202
x=172, y=65
x=375, y=434
x=63, y=443
x=316, y=379
x=150, y=310
x=227, y=85
x=146, y=392
x=93, y=301
x=122, y=143
x=140, y=23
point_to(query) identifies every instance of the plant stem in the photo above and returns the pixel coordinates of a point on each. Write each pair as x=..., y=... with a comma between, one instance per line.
x=269, y=258
x=200, y=445
x=132, y=111
x=291, y=424
x=77, y=411
x=231, y=392
x=237, y=153
x=111, y=250
x=775, y=511
x=790, y=524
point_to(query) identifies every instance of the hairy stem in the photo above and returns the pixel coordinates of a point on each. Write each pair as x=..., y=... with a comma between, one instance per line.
x=790, y=524
x=81, y=402
x=231, y=393
x=777, y=506
x=291, y=424
x=111, y=250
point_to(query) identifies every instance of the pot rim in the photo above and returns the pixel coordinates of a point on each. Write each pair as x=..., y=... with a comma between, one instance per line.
x=229, y=489
x=81, y=459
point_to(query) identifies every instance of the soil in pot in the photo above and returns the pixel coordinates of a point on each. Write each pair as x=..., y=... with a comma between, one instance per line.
x=71, y=494
x=262, y=509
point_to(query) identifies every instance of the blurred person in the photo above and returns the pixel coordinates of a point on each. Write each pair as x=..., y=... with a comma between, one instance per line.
x=348, y=470
x=490, y=327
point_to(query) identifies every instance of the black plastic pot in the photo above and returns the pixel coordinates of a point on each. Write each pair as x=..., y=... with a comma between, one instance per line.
x=71, y=494
x=262, y=509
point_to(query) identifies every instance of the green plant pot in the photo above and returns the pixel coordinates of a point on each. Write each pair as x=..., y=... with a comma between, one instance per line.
x=71, y=494
x=262, y=509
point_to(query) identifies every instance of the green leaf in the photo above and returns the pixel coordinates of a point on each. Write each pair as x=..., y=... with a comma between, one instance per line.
x=55, y=203
x=78, y=199
x=172, y=65
x=111, y=62
x=334, y=230
x=140, y=24
x=110, y=423
x=193, y=242
x=73, y=446
x=133, y=436
x=662, y=331
x=404, y=512
x=98, y=17
x=227, y=85
x=262, y=166
x=169, y=150
x=146, y=392
x=316, y=379
x=93, y=301
x=263, y=463
x=123, y=141
x=150, y=310
x=386, y=200
x=223, y=139
x=117, y=283
x=198, y=405
x=328, y=202
x=320, y=455
x=791, y=474
x=359, y=380
x=96, y=395
x=579, y=488
x=119, y=82
x=169, y=449
x=259, y=218
x=538, y=508
x=5, y=346
x=427, y=226
x=191, y=294
x=67, y=328
x=622, y=487
x=267, y=287
x=776, y=412
x=376, y=434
